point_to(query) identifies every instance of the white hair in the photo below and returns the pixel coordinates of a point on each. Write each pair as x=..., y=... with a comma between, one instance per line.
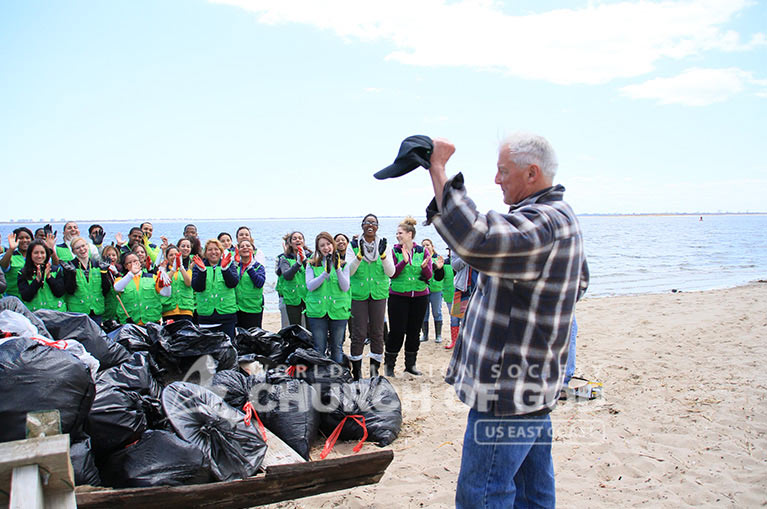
x=526, y=149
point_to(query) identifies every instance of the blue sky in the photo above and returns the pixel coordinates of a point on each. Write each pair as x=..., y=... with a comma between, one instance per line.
x=256, y=108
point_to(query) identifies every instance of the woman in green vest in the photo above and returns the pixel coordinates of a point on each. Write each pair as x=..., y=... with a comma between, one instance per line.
x=250, y=288
x=140, y=293
x=13, y=259
x=291, y=282
x=179, y=305
x=328, y=300
x=110, y=258
x=370, y=271
x=41, y=284
x=408, y=297
x=435, y=294
x=214, y=280
x=85, y=282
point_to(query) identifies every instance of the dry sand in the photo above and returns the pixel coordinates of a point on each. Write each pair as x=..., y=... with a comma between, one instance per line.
x=683, y=420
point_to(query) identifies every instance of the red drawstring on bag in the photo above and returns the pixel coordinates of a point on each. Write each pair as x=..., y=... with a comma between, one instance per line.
x=331, y=441
x=291, y=371
x=251, y=412
x=60, y=344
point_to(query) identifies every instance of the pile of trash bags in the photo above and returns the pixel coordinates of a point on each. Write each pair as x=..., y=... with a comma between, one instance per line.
x=168, y=405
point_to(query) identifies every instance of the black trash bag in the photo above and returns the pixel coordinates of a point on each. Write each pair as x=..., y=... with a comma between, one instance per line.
x=84, y=463
x=232, y=386
x=288, y=410
x=133, y=337
x=35, y=377
x=373, y=398
x=316, y=368
x=117, y=418
x=297, y=337
x=159, y=458
x=134, y=375
x=259, y=345
x=179, y=349
x=199, y=416
x=80, y=327
x=15, y=304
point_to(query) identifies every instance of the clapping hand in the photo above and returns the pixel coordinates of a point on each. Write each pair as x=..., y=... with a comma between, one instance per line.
x=226, y=260
x=198, y=262
x=382, y=248
x=328, y=263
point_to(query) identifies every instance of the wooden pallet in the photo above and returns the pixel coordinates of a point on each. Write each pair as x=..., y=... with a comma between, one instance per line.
x=281, y=482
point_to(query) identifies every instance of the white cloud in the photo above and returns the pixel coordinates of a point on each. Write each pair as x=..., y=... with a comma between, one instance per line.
x=693, y=87
x=593, y=44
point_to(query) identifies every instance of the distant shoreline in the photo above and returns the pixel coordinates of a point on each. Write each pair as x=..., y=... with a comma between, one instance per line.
x=333, y=218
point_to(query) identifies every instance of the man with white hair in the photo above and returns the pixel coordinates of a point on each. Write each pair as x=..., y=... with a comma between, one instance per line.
x=508, y=364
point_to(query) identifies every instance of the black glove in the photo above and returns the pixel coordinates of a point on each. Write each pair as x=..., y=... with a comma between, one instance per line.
x=336, y=260
x=328, y=263
x=382, y=246
x=355, y=242
x=98, y=237
x=49, y=229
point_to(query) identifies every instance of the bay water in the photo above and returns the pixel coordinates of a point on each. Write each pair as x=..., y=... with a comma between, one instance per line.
x=626, y=254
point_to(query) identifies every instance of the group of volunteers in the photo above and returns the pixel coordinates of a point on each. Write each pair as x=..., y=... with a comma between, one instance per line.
x=219, y=284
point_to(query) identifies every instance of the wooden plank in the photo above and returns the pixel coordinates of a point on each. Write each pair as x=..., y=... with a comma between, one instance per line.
x=281, y=482
x=278, y=452
x=26, y=488
x=51, y=454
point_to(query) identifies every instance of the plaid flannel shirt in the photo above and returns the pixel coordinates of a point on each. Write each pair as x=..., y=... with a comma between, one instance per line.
x=511, y=353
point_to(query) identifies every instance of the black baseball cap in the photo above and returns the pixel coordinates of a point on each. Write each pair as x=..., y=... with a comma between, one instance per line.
x=414, y=151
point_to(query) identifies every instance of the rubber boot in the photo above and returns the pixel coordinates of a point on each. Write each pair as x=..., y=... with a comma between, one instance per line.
x=438, y=331
x=425, y=332
x=453, y=336
x=410, y=358
x=390, y=359
x=357, y=369
x=374, y=365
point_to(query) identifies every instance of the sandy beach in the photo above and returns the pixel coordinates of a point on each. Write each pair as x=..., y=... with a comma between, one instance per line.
x=683, y=420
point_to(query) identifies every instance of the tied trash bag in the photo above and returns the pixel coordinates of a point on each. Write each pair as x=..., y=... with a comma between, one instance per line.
x=117, y=418
x=233, y=386
x=132, y=337
x=199, y=416
x=16, y=323
x=159, y=458
x=259, y=345
x=316, y=368
x=35, y=377
x=288, y=410
x=373, y=398
x=84, y=463
x=179, y=348
x=80, y=327
x=15, y=304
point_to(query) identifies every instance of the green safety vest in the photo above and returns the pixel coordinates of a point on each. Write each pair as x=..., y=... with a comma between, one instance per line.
x=64, y=253
x=217, y=296
x=110, y=305
x=370, y=280
x=143, y=304
x=181, y=296
x=12, y=276
x=448, y=289
x=409, y=280
x=249, y=298
x=293, y=291
x=328, y=299
x=87, y=296
x=44, y=299
x=434, y=285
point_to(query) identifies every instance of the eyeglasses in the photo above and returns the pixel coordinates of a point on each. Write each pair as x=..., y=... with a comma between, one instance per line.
x=369, y=223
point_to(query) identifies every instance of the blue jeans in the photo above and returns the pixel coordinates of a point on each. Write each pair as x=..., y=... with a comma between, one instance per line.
x=570, y=366
x=435, y=303
x=319, y=328
x=506, y=462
